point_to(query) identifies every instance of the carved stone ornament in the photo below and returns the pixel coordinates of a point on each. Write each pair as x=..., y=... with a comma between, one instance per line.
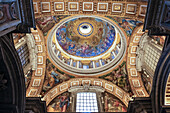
x=2, y=82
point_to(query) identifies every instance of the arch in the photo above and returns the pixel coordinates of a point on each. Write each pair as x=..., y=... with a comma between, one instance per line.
x=35, y=86
x=12, y=84
x=108, y=86
x=160, y=81
x=134, y=76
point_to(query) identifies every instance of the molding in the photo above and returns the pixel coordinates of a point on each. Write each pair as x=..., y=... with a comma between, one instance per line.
x=134, y=9
x=36, y=82
x=141, y=8
x=87, y=3
x=117, y=4
x=36, y=7
x=47, y=97
x=69, y=3
x=98, y=7
x=48, y=5
x=59, y=3
x=106, y=84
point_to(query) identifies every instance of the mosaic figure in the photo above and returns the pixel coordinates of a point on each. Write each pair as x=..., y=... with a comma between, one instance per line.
x=113, y=104
x=64, y=102
x=60, y=104
x=53, y=77
x=119, y=77
x=127, y=24
x=47, y=22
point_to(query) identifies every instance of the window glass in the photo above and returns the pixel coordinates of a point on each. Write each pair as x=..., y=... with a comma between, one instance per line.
x=24, y=55
x=86, y=102
x=85, y=67
x=151, y=57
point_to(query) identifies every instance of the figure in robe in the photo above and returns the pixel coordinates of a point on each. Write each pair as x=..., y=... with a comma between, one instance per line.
x=84, y=47
x=65, y=46
x=106, y=102
x=71, y=46
x=55, y=76
x=64, y=102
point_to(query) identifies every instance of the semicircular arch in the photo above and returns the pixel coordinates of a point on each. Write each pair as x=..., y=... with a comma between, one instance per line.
x=108, y=86
x=134, y=76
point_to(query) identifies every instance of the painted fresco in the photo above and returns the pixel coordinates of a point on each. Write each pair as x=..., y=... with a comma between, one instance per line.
x=60, y=104
x=119, y=77
x=53, y=77
x=74, y=39
x=47, y=22
x=127, y=24
x=147, y=82
x=113, y=104
x=160, y=40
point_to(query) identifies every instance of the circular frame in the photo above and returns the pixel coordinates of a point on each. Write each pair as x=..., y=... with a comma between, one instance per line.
x=85, y=34
x=92, y=71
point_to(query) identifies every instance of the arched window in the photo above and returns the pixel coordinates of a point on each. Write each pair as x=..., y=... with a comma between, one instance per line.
x=86, y=98
x=27, y=52
x=23, y=53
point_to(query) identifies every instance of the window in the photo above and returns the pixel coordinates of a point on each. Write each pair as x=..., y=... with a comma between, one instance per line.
x=86, y=102
x=151, y=57
x=85, y=66
x=74, y=63
x=23, y=54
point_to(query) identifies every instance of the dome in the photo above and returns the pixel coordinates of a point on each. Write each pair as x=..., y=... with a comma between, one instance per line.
x=85, y=37
x=83, y=43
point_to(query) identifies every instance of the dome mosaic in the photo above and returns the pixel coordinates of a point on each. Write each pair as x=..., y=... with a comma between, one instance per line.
x=85, y=37
x=83, y=43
